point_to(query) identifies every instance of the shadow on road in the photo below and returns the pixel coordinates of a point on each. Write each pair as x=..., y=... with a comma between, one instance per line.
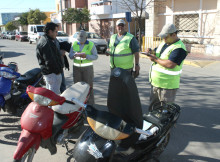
x=9, y=54
x=10, y=129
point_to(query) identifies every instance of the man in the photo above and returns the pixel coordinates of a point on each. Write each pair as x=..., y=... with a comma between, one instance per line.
x=83, y=52
x=167, y=65
x=123, y=50
x=49, y=58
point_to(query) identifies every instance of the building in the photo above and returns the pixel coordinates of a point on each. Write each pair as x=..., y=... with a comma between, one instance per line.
x=198, y=22
x=6, y=17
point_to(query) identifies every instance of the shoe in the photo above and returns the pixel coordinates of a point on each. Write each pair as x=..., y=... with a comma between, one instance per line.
x=124, y=151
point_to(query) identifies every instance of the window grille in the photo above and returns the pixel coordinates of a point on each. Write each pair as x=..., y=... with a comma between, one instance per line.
x=187, y=24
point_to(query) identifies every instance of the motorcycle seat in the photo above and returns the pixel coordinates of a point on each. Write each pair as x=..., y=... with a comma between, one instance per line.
x=79, y=91
x=30, y=77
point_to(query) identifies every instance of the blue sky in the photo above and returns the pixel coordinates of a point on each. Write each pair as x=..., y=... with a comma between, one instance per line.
x=25, y=5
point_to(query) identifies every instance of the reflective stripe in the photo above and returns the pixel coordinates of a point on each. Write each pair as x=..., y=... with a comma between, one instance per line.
x=79, y=58
x=83, y=64
x=119, y=55
x=166, y=71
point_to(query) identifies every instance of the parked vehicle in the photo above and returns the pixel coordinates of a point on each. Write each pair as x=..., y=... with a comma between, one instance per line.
x=35, y=32
x=13, y=97
x=11, y=36
x=21, y=36
x=3, y=35
x=100, y=43
x=62, y=36
x=7, y=34
x=98, y=142
x=44, y=124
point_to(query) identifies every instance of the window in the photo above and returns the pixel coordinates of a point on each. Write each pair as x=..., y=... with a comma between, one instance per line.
x=187, y=24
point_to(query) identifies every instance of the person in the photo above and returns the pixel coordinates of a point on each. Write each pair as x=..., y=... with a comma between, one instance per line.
x=64, y=47
x=49, y=58
x=123, y=49
x=83, y=52
x=124, y=53
x=166, y=68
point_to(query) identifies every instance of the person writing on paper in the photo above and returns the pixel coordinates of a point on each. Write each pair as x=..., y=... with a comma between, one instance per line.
x=83, y=52
x=166, y=68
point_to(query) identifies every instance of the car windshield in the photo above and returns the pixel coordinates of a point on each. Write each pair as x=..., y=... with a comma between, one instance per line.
x=61, y=33
x=23, y=33
x=93, y=36
x=40, y=28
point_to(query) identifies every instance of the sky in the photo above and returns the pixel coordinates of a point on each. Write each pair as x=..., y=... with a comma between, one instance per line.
x=7, y=6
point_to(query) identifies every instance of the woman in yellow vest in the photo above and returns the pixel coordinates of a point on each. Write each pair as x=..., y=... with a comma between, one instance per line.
x=166, y=68
x=83, y=52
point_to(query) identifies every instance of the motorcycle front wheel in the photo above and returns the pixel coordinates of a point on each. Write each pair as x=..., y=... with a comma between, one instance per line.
x=28, y=156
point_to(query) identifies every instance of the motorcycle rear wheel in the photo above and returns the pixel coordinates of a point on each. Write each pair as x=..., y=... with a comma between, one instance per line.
x=28, y=156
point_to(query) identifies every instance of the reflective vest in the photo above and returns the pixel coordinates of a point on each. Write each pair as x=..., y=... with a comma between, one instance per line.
x=164, y=77
x=121, y=55
x=82, y=62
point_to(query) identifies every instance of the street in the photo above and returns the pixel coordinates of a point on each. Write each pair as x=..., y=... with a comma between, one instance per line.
x=195, y=138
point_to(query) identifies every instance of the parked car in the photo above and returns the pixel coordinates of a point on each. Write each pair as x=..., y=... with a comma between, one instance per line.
x=11, y=36
x=7, y=34
x=100, y=43
x=3, y=35
x=21, y=36
x=62, y=36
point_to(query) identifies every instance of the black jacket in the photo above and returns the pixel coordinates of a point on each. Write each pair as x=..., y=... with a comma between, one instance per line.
x=48, y=55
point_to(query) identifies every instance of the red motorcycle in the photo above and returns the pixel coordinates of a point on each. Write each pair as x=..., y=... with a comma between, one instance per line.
x=50, y=119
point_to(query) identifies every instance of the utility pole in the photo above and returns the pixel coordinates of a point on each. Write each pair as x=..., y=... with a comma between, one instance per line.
x=61, y=13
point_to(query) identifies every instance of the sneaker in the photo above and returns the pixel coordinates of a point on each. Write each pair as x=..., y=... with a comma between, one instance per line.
x=125, y=151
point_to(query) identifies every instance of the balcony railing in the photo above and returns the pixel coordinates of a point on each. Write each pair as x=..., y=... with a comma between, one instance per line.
x=101, y=8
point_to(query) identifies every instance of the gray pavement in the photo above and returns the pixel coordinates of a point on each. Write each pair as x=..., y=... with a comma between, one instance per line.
x=195, y=137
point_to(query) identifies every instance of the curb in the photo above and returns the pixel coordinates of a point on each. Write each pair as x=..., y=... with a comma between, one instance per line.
x=196, y=63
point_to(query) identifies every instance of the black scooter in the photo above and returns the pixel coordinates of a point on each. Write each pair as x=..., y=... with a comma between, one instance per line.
x=100, y=141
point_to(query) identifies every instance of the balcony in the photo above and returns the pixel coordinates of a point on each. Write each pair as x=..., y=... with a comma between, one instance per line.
x=101, y=8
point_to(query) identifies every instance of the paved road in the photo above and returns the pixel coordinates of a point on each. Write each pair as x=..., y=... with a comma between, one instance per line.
x=195, y=137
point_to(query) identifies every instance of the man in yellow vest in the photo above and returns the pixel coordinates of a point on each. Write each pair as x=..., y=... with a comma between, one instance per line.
x=124, y=49
x=166, y=68
x=83, y=52
x=124, y=53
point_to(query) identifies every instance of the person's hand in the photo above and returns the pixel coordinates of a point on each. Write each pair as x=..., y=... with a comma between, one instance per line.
x=136, y=72
x=82, y=55
x=107, y=52
x=152, y=58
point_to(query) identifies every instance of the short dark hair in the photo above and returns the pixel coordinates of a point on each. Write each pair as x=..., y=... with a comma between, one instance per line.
x=50, y=26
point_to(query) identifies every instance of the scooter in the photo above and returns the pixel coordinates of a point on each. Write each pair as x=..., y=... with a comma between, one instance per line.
x=13, y=97
x=50, y=119
x=100, y=142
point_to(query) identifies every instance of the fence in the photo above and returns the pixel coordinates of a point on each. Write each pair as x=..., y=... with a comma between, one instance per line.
x=150, y=42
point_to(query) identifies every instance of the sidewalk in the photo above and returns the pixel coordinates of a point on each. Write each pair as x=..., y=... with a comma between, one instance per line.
x=198, y=60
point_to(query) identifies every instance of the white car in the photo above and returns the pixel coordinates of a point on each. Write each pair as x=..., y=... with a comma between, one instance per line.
x=100, y=43
x=62, y=36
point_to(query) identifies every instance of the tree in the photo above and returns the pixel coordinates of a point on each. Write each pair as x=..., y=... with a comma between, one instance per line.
x=35, y=16
x=23, y=18
x=10, y=26
x=73, y=15
x=137, y=8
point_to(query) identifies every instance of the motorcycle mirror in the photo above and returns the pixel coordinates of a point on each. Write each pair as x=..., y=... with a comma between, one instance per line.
x=108, y=125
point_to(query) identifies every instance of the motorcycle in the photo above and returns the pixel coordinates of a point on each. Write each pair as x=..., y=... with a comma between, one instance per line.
x=50, y=119
x=100, y=142
x=13, y=97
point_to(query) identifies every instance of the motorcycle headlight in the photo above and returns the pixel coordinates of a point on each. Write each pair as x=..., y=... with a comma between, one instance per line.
x=7, y=75
x=44, y=97
x=105, y=131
